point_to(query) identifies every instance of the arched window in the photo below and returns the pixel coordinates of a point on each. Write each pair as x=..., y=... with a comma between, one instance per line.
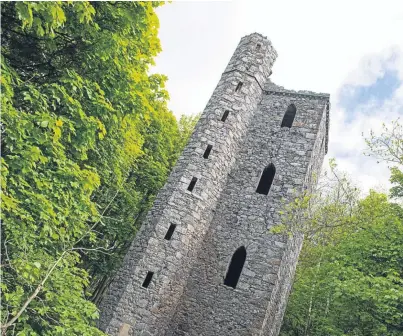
x=266, y=179
x=235, y=267
x=289, y=116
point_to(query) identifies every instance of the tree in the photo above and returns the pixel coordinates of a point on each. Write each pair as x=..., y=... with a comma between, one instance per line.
x=388, y=147
x=87, y=141
x=321, y=214
x=161, y=149
x=352, y=285
x=187, y=124
x=349, y=278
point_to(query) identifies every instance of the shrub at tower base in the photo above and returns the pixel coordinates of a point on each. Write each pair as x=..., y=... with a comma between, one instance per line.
x=87, y=141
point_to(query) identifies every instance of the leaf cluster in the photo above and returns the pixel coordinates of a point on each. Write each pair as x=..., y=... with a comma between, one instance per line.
x=87, y=141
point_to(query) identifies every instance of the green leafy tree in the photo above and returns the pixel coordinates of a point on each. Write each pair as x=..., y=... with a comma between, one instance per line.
x=352, y=284
x=321, y=214
x=87, y=141
x=349, y=279
x=187, y=124
x=163, y=145
x=388, y=147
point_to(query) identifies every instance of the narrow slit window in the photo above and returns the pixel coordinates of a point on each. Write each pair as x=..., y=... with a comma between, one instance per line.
x=192, y=183
x=225, y=115
x=289, y=116
x=258, y=46
x=170, y=232
x=235, y=267
x=207, y=151
x=238, y=87
x=266, y=179
x=148, y=279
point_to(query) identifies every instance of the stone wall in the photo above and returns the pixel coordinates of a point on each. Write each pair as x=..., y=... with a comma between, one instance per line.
x=278, y=301
x=242, y=218
x=186, y=294
x=131, y=309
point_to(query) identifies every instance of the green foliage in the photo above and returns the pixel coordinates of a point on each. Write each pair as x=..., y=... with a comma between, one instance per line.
x=396, y=179
x=353, y=284
x=388, y=147
x=349, y=278
x=87, y=141
x=162, y=146
x=186, y=126
x=319, y=216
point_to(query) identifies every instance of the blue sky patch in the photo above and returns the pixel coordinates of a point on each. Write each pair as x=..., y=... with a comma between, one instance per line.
x=383, y=89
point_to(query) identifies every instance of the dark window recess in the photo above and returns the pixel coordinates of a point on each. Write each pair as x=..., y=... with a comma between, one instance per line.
x=235, y=267
x=170, y=232
x=225, y=115
x=266, y=179
x=192, y=183
x=207, y=151
x=148, y=279
x=258, y=46
x=289, y=116
x=238, y=87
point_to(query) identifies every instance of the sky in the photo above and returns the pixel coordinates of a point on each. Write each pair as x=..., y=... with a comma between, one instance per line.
x=350, y=49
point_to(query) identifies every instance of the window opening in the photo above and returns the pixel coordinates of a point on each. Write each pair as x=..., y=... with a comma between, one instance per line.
x=192, y=183
x=170, y=232
x=239, y=86
x=148, y=279
x=207, y=151
x=235, y=267
x=266, y=179
x=225, y=115
x=289, y=116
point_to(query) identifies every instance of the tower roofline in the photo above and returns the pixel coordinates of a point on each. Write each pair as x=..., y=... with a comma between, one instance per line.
x=300, y=93
x=265, y=39
x=273, y=89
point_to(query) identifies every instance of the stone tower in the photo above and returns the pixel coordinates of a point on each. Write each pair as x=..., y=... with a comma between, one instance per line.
x=204, y=262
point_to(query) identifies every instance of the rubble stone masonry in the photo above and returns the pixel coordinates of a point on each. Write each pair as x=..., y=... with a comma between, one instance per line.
x=176, y=278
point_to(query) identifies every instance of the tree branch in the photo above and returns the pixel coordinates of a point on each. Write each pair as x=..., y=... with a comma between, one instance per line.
x=42, y=283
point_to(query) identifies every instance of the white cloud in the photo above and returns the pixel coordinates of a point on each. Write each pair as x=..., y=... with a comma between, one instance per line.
x=322, y=46
x=374, y=65
x=348, y=128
